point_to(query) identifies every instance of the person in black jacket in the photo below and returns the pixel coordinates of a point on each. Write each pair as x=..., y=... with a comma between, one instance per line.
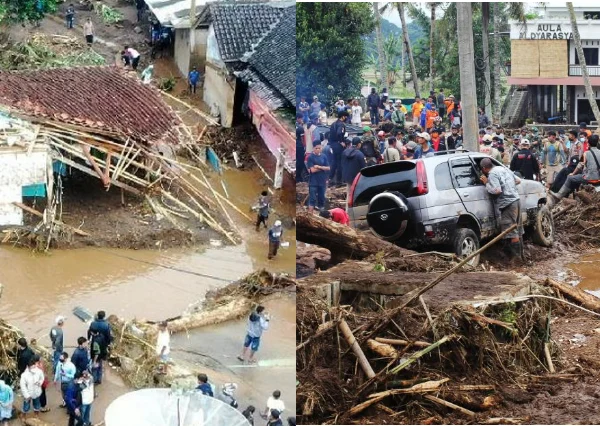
x=373, y=102
x=300, y=148
x=24, y=355
x=561, y=177
x=525, y=163
x=337, y=133
x=353, y=160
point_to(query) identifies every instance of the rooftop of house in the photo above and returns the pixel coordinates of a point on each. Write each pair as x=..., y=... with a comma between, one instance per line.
x=103, y=99
x=272, y=64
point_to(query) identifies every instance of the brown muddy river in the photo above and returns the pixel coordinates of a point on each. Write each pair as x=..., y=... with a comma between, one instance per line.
x=588, y=268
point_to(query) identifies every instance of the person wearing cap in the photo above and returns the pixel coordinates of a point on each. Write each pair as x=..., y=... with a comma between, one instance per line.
x=369, y=147
x=57, y=339
x=424, y=150
x=337, y=133
x=353, y=161
x=524, y=162
x=391, y=153
x=411, y=147
x=482, y=119
x=416, y=109
x=318, y=166
x=502, y=184
x=552, y=157
x=454, y=140
x=373, y=101
x=163, y=346
x=304, y=108
x=587, y=171
x=357, y=113
x=430, y=117
x=275, y=234
x=258, y=322
x=274, y=418
x=315, y=107
x=488, y=149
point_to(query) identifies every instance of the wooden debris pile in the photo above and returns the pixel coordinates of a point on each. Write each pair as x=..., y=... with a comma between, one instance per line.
x=580, y=220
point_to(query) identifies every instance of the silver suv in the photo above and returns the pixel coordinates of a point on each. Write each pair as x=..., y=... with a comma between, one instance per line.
x=440, y=200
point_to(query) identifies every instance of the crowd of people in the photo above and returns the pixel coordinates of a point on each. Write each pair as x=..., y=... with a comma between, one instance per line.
x=563, y=160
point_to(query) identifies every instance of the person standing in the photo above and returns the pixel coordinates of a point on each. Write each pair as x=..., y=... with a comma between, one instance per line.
x=525, y=163
x=353, y=161
x=24, y=355
x=482, y=119
x=417, y=107
x=304, y=108
x=441, y=103
x=73, y=400
x=356, y=113
x=81, y=358
x=193, y=78
x=102, y=326
x=31, y=388
x=140, y=5
x=553, y=156
x=262, y=208
x=43, y=398
x=258, y=322
x=391, y=153
x=336, y=142
x=315, y=107
x=502, y=183
x=369, y=147
x=373, y=102
x=70, y=15
x=275, y=235
x=323, y=116
x=86, y=384
x=57, y=339
x=318, y=167
x=398, y=118
x=163, y=346
x=98, y=354
x=275, y=403
x=7, y=398
x=64, y=375
x=300, y=148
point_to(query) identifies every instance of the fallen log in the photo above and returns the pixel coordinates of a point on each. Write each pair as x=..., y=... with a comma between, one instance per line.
x=57, y=222
x=231, y=310
x=343, y=241
x=351, y=340
x=382, y=349
x=575, y=293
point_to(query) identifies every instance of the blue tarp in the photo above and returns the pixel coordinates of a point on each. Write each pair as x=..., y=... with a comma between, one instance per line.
x=213, y=159
x=37, y=190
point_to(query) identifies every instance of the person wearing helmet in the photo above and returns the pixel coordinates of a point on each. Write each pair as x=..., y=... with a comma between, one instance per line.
x=524, y=162
x=275, y=234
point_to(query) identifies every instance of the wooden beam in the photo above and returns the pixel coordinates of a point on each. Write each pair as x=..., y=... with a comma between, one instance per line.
x=91, y=173
x=58, y=222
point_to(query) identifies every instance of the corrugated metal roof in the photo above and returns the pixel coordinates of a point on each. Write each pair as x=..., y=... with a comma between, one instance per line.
x=174, y=13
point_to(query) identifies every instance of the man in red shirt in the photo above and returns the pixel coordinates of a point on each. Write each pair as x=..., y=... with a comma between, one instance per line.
x=337, y=215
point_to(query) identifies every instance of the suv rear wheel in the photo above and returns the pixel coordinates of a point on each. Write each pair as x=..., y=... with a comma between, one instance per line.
x=465, y=243
x=543, y=227
x=388, y=215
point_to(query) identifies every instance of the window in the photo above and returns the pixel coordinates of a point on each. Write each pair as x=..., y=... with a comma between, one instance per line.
x=591, y=15
x=464, y=174
x=442, y=177
x=590, y=54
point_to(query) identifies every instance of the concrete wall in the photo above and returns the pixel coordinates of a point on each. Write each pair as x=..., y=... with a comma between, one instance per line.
x=17, y=169
x=217, y=89
x=198, y=57
x=182, y=50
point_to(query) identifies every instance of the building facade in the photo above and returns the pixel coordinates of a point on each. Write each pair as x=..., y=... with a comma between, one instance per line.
x=544, y=61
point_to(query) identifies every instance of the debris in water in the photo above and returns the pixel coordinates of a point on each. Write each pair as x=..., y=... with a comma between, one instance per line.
x=83, y=314
x=216, y=243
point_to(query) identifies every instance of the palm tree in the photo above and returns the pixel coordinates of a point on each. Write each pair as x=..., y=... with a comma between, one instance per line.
x=586, y=77
x=433, y=7
x=411, y=59
x=485, y=20
x=468, y=88
x=496, y=110
x=379, y=42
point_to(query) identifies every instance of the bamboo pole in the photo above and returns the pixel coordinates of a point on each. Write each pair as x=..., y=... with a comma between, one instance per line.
x=450, y=405
x=231, y=222
x=57, y=222
x=548, y=357
x=401, y=342
x=362, y=359
x=204, y=115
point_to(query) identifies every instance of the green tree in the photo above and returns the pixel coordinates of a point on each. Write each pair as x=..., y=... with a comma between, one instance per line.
x=330, y=50
x=25, y=10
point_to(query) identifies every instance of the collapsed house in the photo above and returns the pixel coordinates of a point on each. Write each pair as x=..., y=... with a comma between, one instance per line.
x=103, y=122
x=250, y=68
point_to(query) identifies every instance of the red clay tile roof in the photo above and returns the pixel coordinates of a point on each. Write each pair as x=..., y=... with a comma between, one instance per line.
x=95, y=97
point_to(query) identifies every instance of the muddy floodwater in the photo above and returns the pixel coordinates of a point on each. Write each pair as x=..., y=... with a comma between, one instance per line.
x=588, y=268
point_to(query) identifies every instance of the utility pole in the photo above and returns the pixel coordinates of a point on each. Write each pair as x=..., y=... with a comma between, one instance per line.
x=468, y=89
x=192, y=32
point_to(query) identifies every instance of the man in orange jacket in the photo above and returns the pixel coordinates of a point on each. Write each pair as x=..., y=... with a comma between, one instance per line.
x=417, y=107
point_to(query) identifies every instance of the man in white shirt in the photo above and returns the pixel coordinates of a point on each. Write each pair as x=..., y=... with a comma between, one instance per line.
x=356, y=113
x=31, y=388
x=163, y=346
x=131, y=57
x=274, y=403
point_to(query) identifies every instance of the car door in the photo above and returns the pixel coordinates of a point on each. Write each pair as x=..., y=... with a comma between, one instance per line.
x=474, y=196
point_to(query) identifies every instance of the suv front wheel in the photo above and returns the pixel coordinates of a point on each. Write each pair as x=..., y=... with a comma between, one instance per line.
x=543, y=227
x=465, y=243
